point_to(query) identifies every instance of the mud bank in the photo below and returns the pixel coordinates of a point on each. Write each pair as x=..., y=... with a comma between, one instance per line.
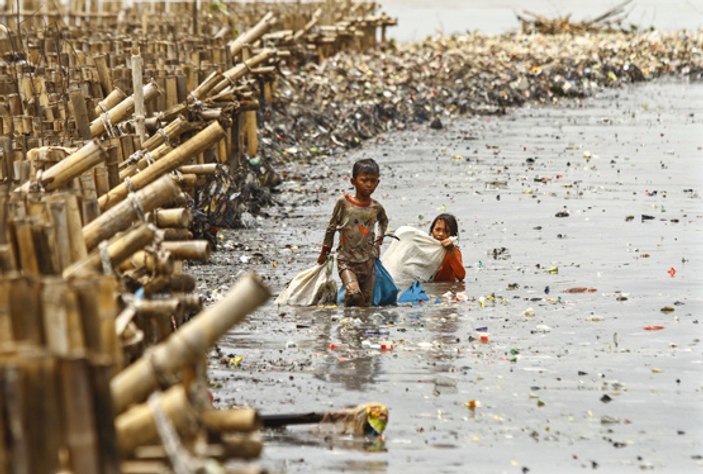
x=608, y=379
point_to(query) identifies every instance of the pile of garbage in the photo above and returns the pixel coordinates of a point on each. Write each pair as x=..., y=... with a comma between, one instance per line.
x=335, y=105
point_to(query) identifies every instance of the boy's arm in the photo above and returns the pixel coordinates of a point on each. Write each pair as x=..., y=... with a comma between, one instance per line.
x=328, y=241
x=382, y=227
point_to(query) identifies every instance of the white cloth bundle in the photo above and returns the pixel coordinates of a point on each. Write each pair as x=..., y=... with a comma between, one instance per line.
x=311, y=287
x=415, y=257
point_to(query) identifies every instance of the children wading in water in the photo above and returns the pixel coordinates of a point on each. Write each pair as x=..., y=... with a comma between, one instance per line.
x=355, y=218
x=452, y=268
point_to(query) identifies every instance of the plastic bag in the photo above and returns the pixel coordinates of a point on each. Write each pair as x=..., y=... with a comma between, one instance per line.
x=385, y=291
x=416, y=256
x=415, y=294
x=311, y=287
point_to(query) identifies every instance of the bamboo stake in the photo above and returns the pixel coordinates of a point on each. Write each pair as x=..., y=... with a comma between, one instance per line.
x=80, y=113
x=80, y=416
x=124, y=213
x=179, y=156
x=188, y=344
x=138, y=94
x=118, y=249
x=103, y=75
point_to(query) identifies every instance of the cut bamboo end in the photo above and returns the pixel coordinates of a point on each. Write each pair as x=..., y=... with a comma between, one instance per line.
x=244, y=420
x=176, y=217
x=198, y=250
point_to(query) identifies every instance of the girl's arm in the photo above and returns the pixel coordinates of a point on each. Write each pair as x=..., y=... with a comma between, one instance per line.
x=456, y=263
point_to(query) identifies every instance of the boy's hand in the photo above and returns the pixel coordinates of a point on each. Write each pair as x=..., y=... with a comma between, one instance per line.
x=322, y=258
x=447, y=244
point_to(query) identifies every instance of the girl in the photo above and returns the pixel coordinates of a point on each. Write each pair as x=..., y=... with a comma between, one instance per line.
x=452, y=268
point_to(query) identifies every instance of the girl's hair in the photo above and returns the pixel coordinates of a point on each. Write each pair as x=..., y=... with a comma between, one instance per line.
x=449, y=221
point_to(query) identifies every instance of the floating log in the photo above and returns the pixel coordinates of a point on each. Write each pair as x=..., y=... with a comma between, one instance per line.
x=134, y=383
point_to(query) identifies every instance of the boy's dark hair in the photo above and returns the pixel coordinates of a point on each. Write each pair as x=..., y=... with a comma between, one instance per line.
x=449, y=221
x=367, y=165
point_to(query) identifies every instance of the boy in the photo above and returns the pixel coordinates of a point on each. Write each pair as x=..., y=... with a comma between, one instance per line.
x=355, y=218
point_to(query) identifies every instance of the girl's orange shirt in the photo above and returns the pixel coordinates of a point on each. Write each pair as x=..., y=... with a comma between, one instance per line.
x=452, y=268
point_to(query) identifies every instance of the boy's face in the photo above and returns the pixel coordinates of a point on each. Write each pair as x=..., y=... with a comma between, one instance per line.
x=365, y=184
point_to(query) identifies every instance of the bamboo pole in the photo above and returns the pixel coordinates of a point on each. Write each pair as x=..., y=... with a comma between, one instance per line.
x=91, y=154
x=114, y=97
x=176, y=217
x=107, y=120
x=138, y=93
x=138, y=426
x=104, y=75
x=144, y=158
x=179, y=156
x=118, y=249
x=203, y=169
x=240, y=70
x=252, y=35
x=188, y=250
x=243, y=420
x=161, y=308
x=171, y=131
x=80, y=113
x=124, y=213
x=187, y=345
x=173, y=233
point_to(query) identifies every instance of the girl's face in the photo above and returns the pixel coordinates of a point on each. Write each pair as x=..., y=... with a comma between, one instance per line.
x=440, y=231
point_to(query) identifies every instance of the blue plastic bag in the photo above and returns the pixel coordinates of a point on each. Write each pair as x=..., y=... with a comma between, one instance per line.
x=385, y=291
x=415, y=294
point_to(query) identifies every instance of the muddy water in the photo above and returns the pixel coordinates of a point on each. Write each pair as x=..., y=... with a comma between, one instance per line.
x=581, y=384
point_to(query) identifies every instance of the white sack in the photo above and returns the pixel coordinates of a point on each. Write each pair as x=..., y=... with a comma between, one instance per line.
x=311, y=287
x=415, y=257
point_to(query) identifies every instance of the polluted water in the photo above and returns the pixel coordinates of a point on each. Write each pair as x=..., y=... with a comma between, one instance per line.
x=574, y=342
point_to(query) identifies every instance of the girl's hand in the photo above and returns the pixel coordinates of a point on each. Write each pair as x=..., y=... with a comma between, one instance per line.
x=322, y=258
x=447, y=244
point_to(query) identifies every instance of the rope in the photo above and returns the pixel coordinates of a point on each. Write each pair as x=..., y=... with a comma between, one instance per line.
x=181, y=460
x=107, y=124
x=165, y=136
x=105, y=258
x=137, y=206
x=102, y=107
